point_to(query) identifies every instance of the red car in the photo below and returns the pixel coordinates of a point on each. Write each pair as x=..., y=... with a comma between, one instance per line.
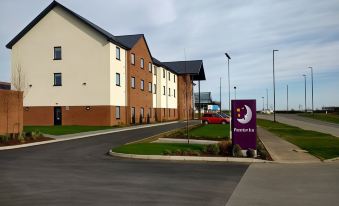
x=212, y=118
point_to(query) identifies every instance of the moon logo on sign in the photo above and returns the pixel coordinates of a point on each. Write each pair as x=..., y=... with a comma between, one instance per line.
x=247, y=117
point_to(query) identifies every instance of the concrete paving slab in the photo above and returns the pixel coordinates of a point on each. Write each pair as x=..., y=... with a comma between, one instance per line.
x=283, y=151
x=288, y=184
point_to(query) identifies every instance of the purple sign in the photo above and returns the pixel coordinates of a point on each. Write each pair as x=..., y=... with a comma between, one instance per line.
x=244, y=123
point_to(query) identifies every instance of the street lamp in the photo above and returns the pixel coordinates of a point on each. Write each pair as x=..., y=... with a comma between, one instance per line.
x=312, y=87
x=263, y=103
x=235, y=92
x=304, y=75
x=266, y=99
x=229, y=91
x=274, y=50
x=287, y=97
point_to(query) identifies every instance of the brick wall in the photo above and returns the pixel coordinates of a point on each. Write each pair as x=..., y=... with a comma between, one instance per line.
x=11, y=112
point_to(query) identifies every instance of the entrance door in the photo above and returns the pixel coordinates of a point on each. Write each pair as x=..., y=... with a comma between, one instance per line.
x=57, y=116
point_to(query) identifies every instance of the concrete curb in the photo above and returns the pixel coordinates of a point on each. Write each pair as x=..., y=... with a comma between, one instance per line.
x=332, y=160
x=188, y=158
x=83, y=135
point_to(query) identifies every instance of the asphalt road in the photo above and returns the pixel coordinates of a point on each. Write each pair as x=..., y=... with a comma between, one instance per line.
x=305, y=123
x=78, y=172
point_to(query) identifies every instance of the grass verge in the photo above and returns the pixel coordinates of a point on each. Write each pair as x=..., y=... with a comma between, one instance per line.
x=155, y=148
x=211, y=131
x=322, y=145
x=62, y=130
x=333, y=118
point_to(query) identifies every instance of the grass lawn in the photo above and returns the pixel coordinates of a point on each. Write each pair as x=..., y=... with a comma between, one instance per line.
x=322, y=145
x=61, y=130
x=155, y=148
x=333, y=118
x=212, y=131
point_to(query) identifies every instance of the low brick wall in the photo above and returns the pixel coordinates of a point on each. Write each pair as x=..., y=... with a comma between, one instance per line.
x=11, y=112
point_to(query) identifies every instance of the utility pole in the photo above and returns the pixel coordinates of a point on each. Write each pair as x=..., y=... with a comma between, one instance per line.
x=312, y=88
x=235, y=92
x=266, y=99
x=304, y=75
x=263, y=103
x=220, y=94
x=274, y=50
x=287, y=97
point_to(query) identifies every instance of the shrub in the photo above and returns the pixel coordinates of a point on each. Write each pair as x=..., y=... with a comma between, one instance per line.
x=4, y=138
x=35, y=134
x=195, y=153
x=237, y=151
x=212, y=149
x=263, y=154
x=225, y=148
x=21, y=137
x=167, y=152
x=250, y=153
x=178, y=152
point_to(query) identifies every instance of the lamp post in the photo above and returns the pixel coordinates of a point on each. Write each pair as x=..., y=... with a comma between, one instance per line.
x=274, y=50
x=229, y=91
x=266, y=99
x=287, y=97
x=263, y=103
x=220, y=95
x=312, y=87
x=304, y=75
x=235, y=92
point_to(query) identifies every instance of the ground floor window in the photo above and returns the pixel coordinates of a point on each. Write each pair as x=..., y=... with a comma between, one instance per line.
x=117, y=112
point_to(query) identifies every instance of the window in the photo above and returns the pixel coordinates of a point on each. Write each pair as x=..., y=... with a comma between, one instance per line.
x=142, y=63
x=133, y=112
x=174, y=93
x=57, y=79
x=169, y=91
x=57, y=53
x=169, y=76
x=133, y=59
x=117, y=53
x=150, y=87
x=155, y=70
x=163, y=73
x=117, y=112
x=117, y=79
x=142, y=85
x=133, y=82
x=155, y=89
x=150, y=67
x=174, y=78
x=164, y=90
x=142, y=112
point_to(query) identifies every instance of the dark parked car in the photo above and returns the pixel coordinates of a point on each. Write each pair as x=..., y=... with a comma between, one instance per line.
x=213, y=118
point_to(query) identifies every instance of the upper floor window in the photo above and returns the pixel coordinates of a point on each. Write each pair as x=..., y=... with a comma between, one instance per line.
x=169, y=91
x=142, y=85
x=155, y=70
x=142, y=63
x=117, y=53
x=174, y=78
x=155, y=89
x=174, y=93
x=57, y=79
x=150, y=67
x=133, y=82
x=133, y=59
x=149, y=86
x=163, y=73
x=164, y=90
x=169, y=76
x=57, y=53
x=117, y=79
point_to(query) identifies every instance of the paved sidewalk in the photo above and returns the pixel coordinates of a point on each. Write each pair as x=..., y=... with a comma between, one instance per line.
x=305, y=123
x=283, y=151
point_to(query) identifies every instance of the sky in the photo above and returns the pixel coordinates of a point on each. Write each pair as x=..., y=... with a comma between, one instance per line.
x=306, y=33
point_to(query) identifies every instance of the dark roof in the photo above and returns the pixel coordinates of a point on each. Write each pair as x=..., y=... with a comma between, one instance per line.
x=129, y=40
x=5, y=85
x=103, y=32
x=160, y=64
x=194, y=67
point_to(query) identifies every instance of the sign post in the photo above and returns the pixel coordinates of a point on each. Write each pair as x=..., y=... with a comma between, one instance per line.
x=244, y=123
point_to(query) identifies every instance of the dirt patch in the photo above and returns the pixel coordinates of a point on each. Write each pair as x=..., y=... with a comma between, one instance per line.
x=12, y=142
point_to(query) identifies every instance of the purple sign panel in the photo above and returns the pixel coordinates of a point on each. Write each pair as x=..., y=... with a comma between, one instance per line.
x=244, y=123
